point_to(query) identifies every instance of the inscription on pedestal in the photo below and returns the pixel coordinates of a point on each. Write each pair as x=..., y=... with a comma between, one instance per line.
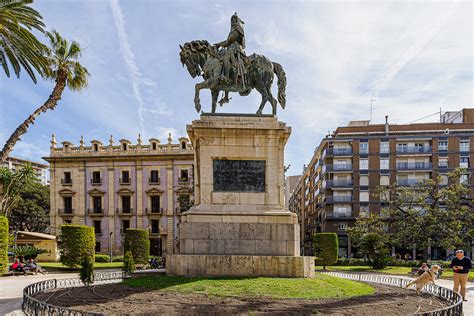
x=239, y=175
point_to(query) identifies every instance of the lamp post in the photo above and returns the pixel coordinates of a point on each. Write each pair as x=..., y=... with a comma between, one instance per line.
x=110, y=245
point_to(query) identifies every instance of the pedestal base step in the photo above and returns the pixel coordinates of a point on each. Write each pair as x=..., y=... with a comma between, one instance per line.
x=240, y=265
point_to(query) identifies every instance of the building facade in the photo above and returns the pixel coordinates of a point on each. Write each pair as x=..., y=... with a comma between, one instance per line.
x=118, y=186
x=337, y=185
x=41, y=170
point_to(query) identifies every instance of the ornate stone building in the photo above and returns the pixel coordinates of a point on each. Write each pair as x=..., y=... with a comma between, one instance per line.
x=118, y=186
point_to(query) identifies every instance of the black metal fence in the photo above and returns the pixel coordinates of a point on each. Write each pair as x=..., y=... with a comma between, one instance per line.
x=454, y=299
x=32, y=306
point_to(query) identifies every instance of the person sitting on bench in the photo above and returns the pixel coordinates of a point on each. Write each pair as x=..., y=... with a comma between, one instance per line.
x=17, y=266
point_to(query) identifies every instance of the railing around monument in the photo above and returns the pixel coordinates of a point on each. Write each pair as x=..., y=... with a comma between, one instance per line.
x=454, y=299
x=33, y=306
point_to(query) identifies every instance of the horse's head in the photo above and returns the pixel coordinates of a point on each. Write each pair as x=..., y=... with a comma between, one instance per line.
x=194, y=55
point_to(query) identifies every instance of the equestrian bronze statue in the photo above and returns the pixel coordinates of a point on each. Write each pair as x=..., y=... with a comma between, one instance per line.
x=225, y=67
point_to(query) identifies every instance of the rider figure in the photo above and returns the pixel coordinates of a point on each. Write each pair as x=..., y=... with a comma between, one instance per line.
x=235, y=44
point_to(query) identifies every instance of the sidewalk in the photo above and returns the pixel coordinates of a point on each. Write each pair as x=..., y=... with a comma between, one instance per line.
x=11, y=290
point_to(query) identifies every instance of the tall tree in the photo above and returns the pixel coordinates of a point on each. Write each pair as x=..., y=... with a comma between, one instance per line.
x=19, y=47
x=431, y=214
x=65, y=69
x=12, y=184
x=31, y=210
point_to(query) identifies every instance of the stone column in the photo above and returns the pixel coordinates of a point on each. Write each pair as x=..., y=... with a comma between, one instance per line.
x=170, y=242
x=80, y=208
x=53, y=215
x=139, y=194
x=111, y=209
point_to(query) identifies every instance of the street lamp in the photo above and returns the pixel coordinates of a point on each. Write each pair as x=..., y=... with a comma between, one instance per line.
x=110, y=245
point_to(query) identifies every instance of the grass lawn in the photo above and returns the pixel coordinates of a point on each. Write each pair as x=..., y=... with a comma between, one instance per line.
x=58, y=266
x=447, y=273
x=320, y=287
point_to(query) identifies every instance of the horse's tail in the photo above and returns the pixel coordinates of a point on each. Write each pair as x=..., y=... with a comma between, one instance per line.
x=278, y=69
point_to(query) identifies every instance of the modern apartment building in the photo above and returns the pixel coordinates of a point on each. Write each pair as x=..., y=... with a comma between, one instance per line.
x=337, y=185
x=41, y=170
x=118, y=186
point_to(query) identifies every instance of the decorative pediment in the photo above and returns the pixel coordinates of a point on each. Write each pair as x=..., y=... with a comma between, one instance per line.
x=125, y=191
x=66, y=192
x=96, y=192
x=154, y=191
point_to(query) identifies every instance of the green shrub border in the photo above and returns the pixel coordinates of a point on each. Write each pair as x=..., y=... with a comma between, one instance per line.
x=3, y=244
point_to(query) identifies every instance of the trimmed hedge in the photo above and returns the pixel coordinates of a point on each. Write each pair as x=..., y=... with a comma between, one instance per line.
x=3, y=244
x=138, y=243
x=75, y=242
x=326, y=248
x=117, y=259
x=102, y=258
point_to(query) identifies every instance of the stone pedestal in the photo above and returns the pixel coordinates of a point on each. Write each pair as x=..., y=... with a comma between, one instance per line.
x=239, y=225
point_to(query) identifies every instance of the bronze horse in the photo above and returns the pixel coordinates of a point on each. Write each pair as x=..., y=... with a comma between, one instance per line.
x=202, y=59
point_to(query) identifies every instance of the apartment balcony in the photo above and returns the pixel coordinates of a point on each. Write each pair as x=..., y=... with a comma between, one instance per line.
x=414, y=150
x=124, y=181
x=338, y=167
x=66, y=182
x=339, y=215
x=95, y=212
x=65, y=211
x=96, y=181
x=339, y=183
x=408, y=182
x=153, y=211
x=125, y=211
x=154, y=181
x=339, y=152
x=338, y=199
x=183, y=181
x=415, y=166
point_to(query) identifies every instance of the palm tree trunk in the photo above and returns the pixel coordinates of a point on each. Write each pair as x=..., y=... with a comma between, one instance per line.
x=50, y=104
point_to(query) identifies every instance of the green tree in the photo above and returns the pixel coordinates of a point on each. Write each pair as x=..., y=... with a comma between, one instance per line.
x=369, y=235
x=430, y=214
x=65, y=69
x=31, y=210
x=3, y=244
x=18, y=45
x=128, y=263
x=75, y=242
x=138, y=243
x=326, y=247
x=86, y=271
x=12, y=183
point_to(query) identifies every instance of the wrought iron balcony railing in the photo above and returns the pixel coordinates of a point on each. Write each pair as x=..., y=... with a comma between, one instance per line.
x=338, y=199
x=339, y=183
x=413, y=149
x=339, y=151
x=414, y=166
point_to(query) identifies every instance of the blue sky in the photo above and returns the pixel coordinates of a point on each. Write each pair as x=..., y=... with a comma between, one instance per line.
x=412, y=57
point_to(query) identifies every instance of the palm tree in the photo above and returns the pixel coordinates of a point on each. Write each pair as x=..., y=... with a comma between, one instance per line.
x=65, y=70
x=18, y=45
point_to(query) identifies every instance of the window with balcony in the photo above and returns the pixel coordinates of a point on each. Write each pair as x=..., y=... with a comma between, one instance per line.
x=125, y=179
x=464, y=145
x=342, y=211
x=97, y=204
x=384, y=147
x=155, y=203
x=97, y=228
x=384, y=163
x=155, y=226
x=67, y=203
x=154, y=176
x=96, y=177
x=364, y=180
x=443, y=162
x=342, y=226
x=126, y=203
x=363, y=148
x=67, y=178
x=402, y=147
x=364, y=164
x=464, y=162
x=442, y=145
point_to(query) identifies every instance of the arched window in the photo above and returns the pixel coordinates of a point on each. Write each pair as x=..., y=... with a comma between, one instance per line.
x=153, y=146
x=96, y=147
x=124, y=146
x=183, y=145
